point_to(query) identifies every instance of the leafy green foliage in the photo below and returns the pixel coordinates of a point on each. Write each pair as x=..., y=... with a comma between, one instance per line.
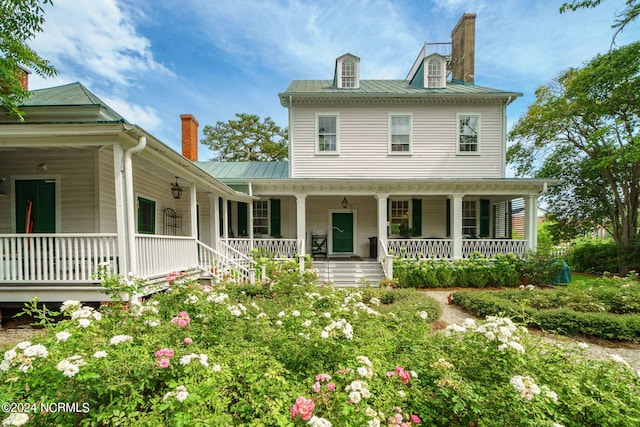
x=584, y=129
x=246, y=139
x=21, y=21
x=246, y=359
x=608, y=308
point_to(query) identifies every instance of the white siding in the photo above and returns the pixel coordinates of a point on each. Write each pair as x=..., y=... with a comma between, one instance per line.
x=364, y=142
x=106, y=192
x=76, y=170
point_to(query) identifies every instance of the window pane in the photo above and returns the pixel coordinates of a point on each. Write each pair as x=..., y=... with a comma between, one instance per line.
x=327, y=136
x=399, y=215
x=260, y=217
x=469, y=222
x=400, y=133
x=468, y=131
x=146, y=216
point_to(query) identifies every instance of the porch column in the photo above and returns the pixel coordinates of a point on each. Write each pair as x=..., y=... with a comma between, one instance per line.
x=531, y=221
x=121, y=213
x=250, y=222
x=225, y=218
x=193, y=211
x=214, y=225
x=382, y=220
x=301, y=226
x=456, y=226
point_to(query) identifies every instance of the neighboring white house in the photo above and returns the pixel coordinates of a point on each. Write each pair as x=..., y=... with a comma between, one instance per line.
x=373, y=162
x=79, y=186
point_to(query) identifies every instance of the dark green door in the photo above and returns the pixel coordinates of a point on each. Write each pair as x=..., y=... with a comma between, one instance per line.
x=41, y=196
x=342, y=232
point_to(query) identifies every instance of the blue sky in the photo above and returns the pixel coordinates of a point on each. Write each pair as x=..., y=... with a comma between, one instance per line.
x=152, y=60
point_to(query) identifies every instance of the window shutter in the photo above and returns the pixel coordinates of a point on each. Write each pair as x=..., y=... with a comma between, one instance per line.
x=416, y=222
x=243, y=219
x=509, y=220
x=275, y=217
x=485, y=217
x=448, y=218
x=221, y=215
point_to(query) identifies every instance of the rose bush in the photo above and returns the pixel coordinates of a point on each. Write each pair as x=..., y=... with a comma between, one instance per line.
x=288, y=354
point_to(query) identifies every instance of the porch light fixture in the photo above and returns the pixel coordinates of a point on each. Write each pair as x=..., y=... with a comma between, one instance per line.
x=345, y=203
x=176, y=190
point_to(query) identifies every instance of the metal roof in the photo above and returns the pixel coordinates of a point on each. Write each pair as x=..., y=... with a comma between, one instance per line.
x=390, y=88
x=246, y=170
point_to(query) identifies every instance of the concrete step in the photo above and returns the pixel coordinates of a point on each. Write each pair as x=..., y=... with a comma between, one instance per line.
x=349, y=273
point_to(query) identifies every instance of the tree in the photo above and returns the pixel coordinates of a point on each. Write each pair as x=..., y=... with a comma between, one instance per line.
x=247, y=138
x=21, y=20
x=631, y=12
x=585, y=129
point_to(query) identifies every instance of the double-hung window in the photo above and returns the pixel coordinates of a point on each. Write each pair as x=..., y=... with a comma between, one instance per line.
x=327, y=133
x=348, y=73
x=468, y=134
x=260, y=217
x=469, y=218
x=400, y=128
x=399, y=216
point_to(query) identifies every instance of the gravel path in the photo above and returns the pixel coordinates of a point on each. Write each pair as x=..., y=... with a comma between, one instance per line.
x=598, y=349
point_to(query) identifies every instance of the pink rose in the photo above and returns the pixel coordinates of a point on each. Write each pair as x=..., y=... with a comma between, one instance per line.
x=323, y=377
x=188, y=341
x=391, y=374
x=182, y=319
x=415, y=419
x=404, y=375
x=302, y=407
x=164, y=363
x=331, y=386
x=316, y=387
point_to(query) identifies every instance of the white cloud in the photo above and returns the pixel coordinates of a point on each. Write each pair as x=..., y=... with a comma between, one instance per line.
x=144, y=116
x=96, y=38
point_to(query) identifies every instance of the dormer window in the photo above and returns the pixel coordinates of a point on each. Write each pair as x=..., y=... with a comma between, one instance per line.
x=435, y=77
x=347, y=72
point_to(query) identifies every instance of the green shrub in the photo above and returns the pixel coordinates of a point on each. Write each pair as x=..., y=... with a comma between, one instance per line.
x=597, y=256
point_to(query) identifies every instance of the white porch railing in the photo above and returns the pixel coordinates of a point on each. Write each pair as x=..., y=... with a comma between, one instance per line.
x=282, y=248
x=53, y=257
x=421, y=248
x=386, y=260
x=492, y=247
x=158, y=256
x=230, y=264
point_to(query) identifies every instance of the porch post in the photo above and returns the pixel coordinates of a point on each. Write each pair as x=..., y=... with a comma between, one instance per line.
x=531, y=221
x=225, y=218
x=250, y=223
x=121, y=213
x=214, y=225
x=193, y=211
x=382, y=220
x=301, y=226
x=456, y=226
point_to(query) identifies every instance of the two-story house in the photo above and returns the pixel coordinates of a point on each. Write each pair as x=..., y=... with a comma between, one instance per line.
x=386, y=166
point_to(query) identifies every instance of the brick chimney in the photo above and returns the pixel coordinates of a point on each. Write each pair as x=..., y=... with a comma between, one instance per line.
x=463, y=38
x=23, y=76
x=189, y=137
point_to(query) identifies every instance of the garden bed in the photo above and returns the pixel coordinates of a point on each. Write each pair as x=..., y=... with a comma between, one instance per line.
x=289, y=353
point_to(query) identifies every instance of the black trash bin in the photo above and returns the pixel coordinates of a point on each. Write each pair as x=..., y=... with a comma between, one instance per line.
x=373, y=247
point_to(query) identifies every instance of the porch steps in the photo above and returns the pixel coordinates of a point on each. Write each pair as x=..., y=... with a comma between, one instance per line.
x=349, y=273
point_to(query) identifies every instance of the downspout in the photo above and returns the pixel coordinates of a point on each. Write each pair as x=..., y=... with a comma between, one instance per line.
x=130, y=202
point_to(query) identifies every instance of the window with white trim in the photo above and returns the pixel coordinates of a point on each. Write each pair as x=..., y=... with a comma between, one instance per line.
x=327, y=134
x=260, y=218
x=468, y=134
x=398, y=216
x=348, y=73
x=400, y=133
x=435, y=73
x=469, y=218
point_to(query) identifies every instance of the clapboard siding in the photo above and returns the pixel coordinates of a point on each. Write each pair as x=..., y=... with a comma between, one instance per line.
x=363, y=141
x=106, y=192
x=76, y=171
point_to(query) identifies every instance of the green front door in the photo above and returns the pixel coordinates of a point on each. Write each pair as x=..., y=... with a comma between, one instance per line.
x=342, y=232
x=35, y=206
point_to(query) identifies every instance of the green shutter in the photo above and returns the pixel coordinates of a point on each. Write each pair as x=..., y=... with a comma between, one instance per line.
x=416, y=221
x=509, y=220
x=243, y=219
x=485, y=217
x=275, y=217
x=221, y=215
x=448, y=218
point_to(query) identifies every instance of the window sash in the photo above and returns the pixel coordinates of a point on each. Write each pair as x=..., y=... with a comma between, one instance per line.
x=468, y=131
x=327, y=133
x=400, y=133
x=261, y=217
x=348, y=73
x=146, y=216
x=469, y=218
x=398, y=216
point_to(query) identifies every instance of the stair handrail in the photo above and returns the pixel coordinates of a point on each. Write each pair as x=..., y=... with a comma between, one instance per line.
x=241, y=265
x=385, y=259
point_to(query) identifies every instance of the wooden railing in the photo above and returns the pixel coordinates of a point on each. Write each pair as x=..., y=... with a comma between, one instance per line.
x=386, y=260
x=492, y=247
x=282, y=248
x=230, y=264
x=421, y=248
x=158, y=256
x=56, y=257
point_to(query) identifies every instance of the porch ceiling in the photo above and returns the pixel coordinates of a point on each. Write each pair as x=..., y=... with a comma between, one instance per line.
x=505, y=187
